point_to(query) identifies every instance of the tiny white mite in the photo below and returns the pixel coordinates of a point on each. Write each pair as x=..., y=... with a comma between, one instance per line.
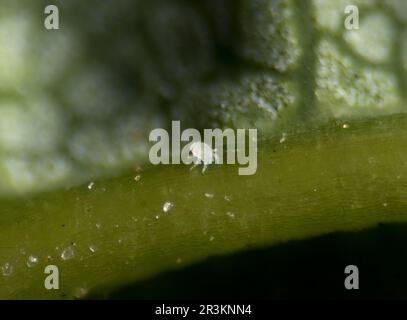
x=202, y=153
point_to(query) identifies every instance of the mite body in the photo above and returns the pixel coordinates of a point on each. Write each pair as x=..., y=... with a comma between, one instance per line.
x=202, y=153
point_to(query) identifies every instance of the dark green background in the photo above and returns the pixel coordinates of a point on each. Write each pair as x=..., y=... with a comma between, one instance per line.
x=312, y=268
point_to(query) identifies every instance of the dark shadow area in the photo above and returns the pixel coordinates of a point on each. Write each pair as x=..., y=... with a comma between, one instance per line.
x=300, y=269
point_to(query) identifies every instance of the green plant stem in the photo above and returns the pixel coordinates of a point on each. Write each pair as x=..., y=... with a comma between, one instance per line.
x=316, y=182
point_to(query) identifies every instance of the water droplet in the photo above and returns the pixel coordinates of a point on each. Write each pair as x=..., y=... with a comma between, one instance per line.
x=167, y=207
x=93, y=248
x=230, y=214
x=98, y=225
x=227, y=198
x=385, y=204
x=80, y=293
x=211, y=238
x=179, y=260
x=157, y=217
x=7, y=269
x=91, y=185
x=137, y=178
x=68, y=253
x=32, y=261
x=209, y=195
x=346, y=126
